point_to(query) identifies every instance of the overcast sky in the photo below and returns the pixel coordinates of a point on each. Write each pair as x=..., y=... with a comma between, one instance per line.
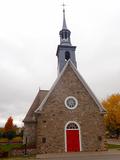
x=29, y=35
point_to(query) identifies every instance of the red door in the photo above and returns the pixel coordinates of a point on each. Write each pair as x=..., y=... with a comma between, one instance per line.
x=72, y=140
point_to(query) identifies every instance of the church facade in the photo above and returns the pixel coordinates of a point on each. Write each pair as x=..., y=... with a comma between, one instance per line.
x=68, y=117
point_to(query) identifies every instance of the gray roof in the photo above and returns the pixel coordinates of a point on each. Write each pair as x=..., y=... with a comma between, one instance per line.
x=99, y=105
x=36, y=103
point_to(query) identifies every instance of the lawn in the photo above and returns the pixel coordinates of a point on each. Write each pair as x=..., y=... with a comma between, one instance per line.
x=19, y=158
x=114, y=146
x=8, y=147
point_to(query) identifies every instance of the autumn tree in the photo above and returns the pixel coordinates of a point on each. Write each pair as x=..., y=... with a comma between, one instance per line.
x=9, y=129
x=9, y=125
x=112, y=118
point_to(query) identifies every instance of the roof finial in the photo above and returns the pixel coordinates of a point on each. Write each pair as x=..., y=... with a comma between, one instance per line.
x=64, y=20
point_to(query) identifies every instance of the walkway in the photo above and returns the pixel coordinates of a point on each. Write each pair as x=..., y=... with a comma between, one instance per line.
x=110, y=155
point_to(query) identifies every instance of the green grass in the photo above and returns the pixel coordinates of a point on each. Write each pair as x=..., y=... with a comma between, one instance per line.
x=113, y=146
x=16, y=139
x=9, y=147
x=20, y=158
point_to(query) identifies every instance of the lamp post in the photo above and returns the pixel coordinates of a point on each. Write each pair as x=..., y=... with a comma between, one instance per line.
x=25, y=142
x=25, y=145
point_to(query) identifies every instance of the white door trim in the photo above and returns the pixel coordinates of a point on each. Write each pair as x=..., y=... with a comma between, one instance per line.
x=72, y=129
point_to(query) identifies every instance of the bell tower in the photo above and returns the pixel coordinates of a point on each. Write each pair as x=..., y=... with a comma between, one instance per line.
x=65, y=50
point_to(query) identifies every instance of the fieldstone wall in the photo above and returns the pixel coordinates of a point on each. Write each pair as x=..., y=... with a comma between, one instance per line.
x=30, y=133
x=54, y=116
x=21, y=152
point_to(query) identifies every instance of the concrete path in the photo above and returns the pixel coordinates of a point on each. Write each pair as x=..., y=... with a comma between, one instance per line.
x=110, y=155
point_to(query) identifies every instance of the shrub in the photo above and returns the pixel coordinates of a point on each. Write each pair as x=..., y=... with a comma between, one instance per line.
x=10, y=134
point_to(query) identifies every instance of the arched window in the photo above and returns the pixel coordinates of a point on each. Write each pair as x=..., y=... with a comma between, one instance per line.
x=67, y=56
x=65, y=35
x=72, y=126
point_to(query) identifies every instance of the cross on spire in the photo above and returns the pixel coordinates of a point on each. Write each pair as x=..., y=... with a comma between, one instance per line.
x=65, y=32
x=64, y=20
x=63, y=6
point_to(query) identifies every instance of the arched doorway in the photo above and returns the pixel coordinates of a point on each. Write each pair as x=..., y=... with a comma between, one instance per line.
x=72, y=137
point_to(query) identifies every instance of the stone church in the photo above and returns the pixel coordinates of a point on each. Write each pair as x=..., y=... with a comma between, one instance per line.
x=68, y=117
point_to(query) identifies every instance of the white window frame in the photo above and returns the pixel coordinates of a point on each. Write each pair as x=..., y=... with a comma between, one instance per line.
x=75, y=101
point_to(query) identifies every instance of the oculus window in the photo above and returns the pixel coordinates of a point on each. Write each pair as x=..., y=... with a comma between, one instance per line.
x=71, y=102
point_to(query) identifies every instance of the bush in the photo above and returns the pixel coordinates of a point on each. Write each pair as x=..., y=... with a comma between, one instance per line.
x=9, y=147
x=10, y=134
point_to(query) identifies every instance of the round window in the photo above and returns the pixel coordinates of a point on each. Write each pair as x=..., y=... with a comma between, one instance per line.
x=71, y=102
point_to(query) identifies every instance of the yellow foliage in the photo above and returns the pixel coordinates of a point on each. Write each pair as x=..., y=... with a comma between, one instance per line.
x=17, y=139
x=112, y=105
x=3, y=140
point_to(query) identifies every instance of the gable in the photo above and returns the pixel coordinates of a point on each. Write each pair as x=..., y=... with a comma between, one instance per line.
x=36, y=103
x=71, y=82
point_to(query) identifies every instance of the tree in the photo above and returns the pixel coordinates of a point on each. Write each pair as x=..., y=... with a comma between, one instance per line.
x=9, y=129
x=9, y=125
x=112, y=118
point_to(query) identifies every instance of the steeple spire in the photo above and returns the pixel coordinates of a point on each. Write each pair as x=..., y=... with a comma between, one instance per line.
x=65, y=32
x=64, y=20
x=65, y=50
